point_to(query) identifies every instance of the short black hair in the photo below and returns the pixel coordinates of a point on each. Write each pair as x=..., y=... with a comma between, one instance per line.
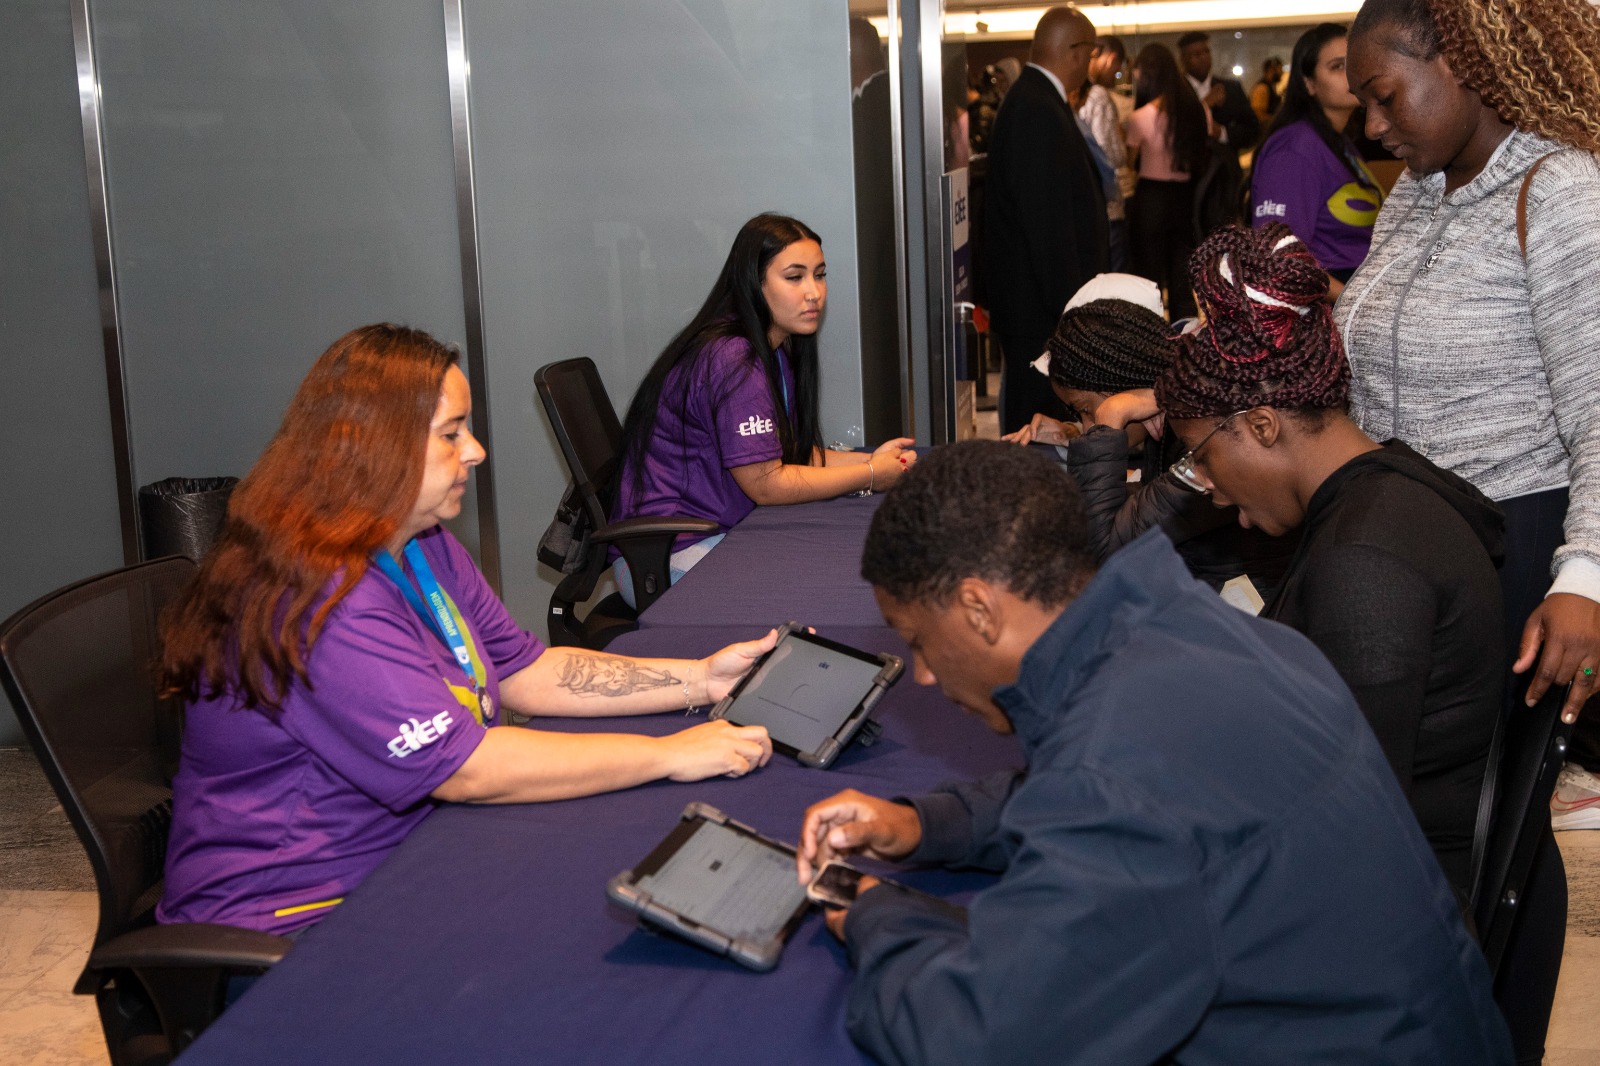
x=985, y=509
x=1114, y=45
x=1419, y=35
x=1192, y=37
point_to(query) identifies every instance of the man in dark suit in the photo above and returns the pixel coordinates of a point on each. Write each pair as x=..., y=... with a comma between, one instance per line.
x=1230, y=107
x=1045, y=210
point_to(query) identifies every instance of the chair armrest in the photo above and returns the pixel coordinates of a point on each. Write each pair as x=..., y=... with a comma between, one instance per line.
x=186, y=945
x=652, y=526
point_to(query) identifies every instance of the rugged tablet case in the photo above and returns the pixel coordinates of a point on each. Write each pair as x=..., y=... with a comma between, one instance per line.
x=758, y=955
x=830, y=748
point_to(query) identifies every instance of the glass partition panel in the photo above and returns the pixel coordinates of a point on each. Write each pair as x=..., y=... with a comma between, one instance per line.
x=279, y=173
x=619, y=146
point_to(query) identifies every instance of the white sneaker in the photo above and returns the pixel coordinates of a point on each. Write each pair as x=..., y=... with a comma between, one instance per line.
x=1576, y=803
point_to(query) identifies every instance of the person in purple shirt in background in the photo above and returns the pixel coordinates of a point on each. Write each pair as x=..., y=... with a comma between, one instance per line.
x=1308, y=174
x=345, y=665
x=727, y=418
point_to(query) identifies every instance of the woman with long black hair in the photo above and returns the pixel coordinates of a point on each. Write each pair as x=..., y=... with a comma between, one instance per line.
x=1308, y=174
x=1167, y=136
x=727, y=418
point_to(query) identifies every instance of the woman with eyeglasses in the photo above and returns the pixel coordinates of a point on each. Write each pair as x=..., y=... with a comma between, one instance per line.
x=1394, y=578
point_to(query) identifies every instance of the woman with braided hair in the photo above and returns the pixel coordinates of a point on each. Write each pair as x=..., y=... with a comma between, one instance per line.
x=1471, y=336
x=1102, y=361
x=1394, y=576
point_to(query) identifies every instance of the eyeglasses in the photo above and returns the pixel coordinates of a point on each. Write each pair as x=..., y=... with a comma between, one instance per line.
x=1184, y=469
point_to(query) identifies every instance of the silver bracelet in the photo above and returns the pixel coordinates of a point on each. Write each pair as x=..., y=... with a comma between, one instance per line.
x=688, y=700
x=872, y=480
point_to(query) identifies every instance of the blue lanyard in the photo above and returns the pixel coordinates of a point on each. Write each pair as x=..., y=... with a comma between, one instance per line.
x=783, y=379
x=437, y=613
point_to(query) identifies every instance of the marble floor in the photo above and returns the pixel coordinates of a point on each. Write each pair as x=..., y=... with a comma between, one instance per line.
x=45, y=933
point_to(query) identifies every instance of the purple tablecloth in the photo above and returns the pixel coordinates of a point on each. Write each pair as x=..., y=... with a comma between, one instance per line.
x=487, y=936
x=804, y=561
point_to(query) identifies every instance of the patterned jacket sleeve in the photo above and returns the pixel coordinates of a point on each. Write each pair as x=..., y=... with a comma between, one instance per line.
x=1564, y=293
x=1100, y=111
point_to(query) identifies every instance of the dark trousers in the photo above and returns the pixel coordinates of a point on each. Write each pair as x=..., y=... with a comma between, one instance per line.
x=1117, y=230
x=1161, y=237
x=1527, y=984
x=1024, y=392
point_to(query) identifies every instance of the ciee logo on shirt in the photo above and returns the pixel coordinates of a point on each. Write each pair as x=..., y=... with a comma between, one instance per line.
x=415, y=734
x=1271, y=209
x=754, y=426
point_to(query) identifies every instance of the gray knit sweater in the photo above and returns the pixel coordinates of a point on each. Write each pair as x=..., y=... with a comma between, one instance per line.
x=1488, y=364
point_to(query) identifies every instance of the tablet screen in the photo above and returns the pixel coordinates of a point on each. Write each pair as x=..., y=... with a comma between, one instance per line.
x=728, y=881
x=803, y=692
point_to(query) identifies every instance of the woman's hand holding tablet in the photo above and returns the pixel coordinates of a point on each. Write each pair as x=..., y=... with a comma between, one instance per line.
x=812, y=694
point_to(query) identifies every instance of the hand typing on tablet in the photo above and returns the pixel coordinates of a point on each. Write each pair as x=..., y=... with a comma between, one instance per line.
x=854, y=823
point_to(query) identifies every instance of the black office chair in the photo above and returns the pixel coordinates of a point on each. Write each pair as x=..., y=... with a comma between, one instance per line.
x=78, y=666
x=1514, y=812
x=577, y=542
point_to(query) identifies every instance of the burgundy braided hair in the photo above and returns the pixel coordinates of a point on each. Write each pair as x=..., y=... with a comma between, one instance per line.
x=1274, y=345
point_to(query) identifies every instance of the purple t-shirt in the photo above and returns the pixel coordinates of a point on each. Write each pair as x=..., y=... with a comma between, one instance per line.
x=729, y=418
x=1300, y=182
x=276, y=813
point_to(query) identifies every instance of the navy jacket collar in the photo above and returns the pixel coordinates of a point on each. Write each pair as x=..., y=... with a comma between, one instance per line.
x=1135, y=583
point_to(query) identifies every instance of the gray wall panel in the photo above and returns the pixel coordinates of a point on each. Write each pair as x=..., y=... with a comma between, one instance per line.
x=280, y=172
x=620, y=145
x=57, y=475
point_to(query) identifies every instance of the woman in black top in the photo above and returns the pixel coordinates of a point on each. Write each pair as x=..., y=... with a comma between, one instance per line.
x=1395, y=577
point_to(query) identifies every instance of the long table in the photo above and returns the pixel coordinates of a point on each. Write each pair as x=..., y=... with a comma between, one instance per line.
x=486, y=937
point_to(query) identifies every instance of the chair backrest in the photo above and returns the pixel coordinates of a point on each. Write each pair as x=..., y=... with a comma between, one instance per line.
x=79, y=666
x=586, y=426
x=1514, y=812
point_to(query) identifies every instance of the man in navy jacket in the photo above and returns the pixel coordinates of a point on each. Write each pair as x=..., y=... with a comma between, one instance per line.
x=1208, y=859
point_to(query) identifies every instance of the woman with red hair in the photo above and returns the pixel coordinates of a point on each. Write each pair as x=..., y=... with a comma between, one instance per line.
x=345, y=664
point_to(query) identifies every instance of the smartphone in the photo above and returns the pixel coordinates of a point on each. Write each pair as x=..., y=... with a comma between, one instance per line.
x=835, y=885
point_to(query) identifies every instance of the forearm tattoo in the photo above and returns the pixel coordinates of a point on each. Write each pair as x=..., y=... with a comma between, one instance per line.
x=607, y=675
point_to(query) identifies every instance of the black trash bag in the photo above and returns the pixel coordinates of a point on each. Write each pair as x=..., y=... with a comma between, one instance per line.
x=183, y=515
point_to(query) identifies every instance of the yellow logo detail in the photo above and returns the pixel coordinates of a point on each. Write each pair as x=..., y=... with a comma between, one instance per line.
x=1355, y=205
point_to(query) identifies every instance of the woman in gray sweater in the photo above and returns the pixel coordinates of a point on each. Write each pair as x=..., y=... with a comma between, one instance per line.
x=1471, y=330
